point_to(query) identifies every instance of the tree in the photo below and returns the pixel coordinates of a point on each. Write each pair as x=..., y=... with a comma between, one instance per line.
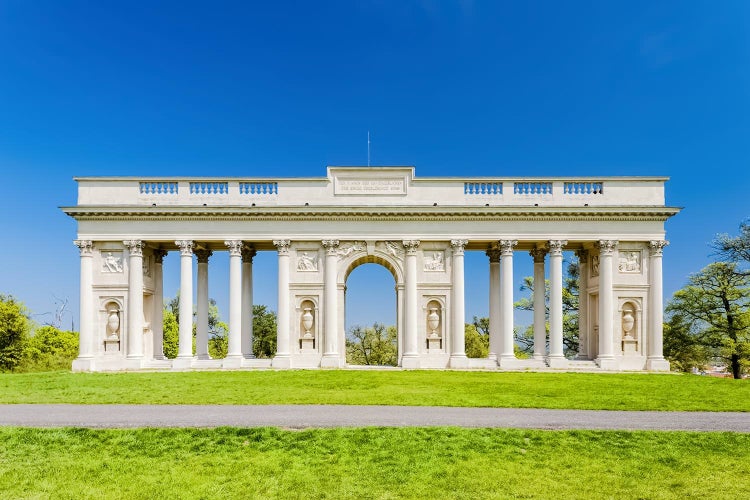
x=681, y=345
x=171, y=333
x=570, y=302
x=716, y=303
x=735, y=248
x=376, y=345
x=14, y=330
x=264, y=332
x=49, y=348
x=477, y=338
x=217, y=329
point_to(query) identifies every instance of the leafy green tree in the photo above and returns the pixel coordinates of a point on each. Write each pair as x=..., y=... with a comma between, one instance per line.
x=525, y=339
x=716, y=303
x=171, y=333
x=476, y=339
x=14, y=330
x=49, y=348
x=682, y=346
x=735, y=248
x=376, y=345
x=264, y=332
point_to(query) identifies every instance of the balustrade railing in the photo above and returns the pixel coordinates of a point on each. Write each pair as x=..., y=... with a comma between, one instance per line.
x=209, y=188
x=158, y=187
x=534, y=188
x=583, y=187
x=259, y=188
x=486, y=188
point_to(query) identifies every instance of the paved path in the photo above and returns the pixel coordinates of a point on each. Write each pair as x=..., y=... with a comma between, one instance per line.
x=321, y=416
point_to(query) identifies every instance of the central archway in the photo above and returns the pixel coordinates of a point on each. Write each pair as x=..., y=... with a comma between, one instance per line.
x=372, y=323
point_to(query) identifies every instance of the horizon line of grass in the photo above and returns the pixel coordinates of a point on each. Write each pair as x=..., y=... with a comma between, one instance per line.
x=591, y=391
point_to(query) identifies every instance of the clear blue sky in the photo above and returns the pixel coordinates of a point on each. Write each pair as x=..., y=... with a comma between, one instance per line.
x=286, y=88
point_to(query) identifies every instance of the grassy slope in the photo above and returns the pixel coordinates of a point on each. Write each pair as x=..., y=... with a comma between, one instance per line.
x=442, y=388
x=370, y=463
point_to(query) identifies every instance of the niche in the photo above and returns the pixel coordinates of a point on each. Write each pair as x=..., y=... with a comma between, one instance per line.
x=434, y=325
x=307, y=324
x=630, y=324
x=112, y=326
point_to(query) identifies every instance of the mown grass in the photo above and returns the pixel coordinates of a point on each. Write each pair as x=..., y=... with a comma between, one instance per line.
x=371, y=463
x=416, y=388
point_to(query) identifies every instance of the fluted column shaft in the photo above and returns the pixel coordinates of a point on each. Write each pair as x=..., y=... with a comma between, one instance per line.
x=655, y=360
x=157, y=323
x=201, y=316
x=248, y=252
x=185, y=335
x=411, y=349
x=234, y=349
x=135, y=299
x=606, y=315
x=506, y=297
x=86, y=320
x=493, y=252
x=556, y=358
x=282, y=358
x=539, y=303
x=458, y=345
x=331, y=299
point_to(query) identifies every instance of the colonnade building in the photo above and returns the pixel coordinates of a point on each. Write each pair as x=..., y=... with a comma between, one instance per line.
x=417, y=228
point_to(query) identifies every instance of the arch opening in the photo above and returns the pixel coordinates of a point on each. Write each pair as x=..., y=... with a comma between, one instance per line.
x=371, y=313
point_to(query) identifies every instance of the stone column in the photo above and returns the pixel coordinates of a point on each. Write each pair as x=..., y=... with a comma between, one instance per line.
x=201, y=316
x=540, y=304
x=556, y=359
x=606, y=358
x=583, y=304
x=458, y=357
x=234, y=350
x=410, y=358
x=84, y=361
x=157, y=324
x=185, y=336
x=248, y=252
x=135, y=300
x=283, y=355
x=331, y=357
x=507, y=356
x=493, y=252
x=655, y=360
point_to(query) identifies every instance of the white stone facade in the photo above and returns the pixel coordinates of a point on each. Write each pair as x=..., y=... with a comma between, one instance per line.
x=417, y=228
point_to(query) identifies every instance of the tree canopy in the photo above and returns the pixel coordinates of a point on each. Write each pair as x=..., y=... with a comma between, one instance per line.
x=14, y=331
x=375, y=345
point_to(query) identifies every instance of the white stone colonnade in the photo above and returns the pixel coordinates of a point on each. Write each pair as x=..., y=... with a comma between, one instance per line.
x=419, y=230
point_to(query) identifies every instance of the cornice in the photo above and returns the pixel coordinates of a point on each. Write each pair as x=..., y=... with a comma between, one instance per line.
x=393, y=213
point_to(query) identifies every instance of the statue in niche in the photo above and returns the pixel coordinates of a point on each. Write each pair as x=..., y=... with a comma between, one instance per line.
x=112, y=264
x=434, y=262
x=595, y=265
x=630, y=262
x=306, y=263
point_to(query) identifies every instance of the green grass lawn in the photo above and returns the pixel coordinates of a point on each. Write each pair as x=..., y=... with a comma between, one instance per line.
x=441, y=388
x=371, y=463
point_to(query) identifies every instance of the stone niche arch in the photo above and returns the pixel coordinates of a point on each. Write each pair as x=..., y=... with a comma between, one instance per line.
x=111, y=330
x=631, y=325
x=349, y=264
x=308, y=316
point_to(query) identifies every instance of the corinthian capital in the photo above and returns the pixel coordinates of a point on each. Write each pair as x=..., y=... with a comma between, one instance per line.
x=657, y=247
x=135, y=247
x=555, y=246
x=248, y=252
x=607, y=247
x=282, y=246
x=458, y=246
x=235, y=247
x=331, y=246
x=203, y=254
x=159, y=255
x=186, y=247
x=506, y=246
x=411, y=246
x=85, y=246
x=493, y=252
x=538, y=254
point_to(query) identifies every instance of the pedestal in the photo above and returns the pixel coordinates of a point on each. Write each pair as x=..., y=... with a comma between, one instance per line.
x=331, y=362
x=410, y=362
x=657, y=365
x=557, y=362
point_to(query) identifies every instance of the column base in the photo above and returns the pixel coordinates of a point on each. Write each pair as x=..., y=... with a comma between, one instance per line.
x=508, y=361
x=458, y=362
x=249, y=356
x=233, y=361
x=331, y=361
x=657, y=365
x=557, y=362
x=281, y=362
x=202, y=356
x=607, y=363
x=160, y=357
x=83, y=365
x=492, y=357
x=182, y=363
x=410, y=362
x=539, y=357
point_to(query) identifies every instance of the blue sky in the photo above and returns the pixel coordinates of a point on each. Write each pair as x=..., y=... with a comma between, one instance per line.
x=286, y=88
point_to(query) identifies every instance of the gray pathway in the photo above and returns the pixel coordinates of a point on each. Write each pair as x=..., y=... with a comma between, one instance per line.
x=321, y=416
